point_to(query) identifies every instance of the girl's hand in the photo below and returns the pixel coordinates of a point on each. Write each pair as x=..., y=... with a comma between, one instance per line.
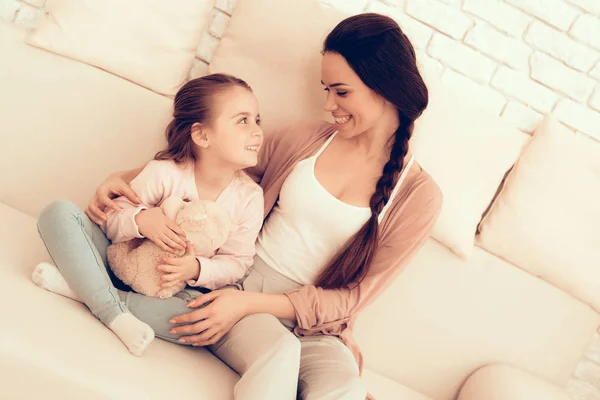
x=182, y=269
x=156, y=226
x=114, y=186
x=205, y=326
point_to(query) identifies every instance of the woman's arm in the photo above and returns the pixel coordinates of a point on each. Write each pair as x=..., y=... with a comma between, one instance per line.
x=117, y=184
x=275, y=304
x=318, y=309
x=128, y=176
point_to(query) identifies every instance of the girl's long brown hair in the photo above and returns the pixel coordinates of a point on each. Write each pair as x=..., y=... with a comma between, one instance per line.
x=193, y=103
x=383, y=57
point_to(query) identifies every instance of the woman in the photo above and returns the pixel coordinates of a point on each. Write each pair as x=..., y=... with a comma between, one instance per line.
x=346, y=208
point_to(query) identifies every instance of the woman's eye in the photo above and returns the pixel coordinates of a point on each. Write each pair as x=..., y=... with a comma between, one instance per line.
x=258, y=121
x=243, y=121
x=342, y=94
x=326, y=89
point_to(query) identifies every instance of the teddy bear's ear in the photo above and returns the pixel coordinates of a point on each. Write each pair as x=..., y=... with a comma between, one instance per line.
x=171, y=206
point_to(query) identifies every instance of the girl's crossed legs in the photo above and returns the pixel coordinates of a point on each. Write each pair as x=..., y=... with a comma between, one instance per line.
x=272, y=362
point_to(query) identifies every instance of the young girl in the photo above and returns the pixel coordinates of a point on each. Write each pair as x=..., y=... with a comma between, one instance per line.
x=214, y=134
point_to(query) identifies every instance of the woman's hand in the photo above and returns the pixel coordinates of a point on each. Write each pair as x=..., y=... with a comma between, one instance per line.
x=114, y=186
x=182, y=269
x=205, y=326
x=156, y=226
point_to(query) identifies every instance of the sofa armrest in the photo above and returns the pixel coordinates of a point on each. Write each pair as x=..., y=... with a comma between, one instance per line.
x=502, y=382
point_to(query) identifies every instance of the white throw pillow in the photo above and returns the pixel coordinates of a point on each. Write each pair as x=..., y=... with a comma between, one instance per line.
x=467, y=151
x=546, y=219
x=276, y=47
x=149, y=42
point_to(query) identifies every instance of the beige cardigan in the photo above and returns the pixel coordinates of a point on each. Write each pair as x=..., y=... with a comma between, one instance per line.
x=404, y=229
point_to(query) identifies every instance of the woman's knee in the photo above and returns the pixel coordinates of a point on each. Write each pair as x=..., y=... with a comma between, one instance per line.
x=260, y=338
x=354, y=389
x=349, y=388
x=279, y=339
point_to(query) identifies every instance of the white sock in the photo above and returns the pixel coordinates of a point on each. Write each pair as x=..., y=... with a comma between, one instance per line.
x=48, y=277
x=135, y=334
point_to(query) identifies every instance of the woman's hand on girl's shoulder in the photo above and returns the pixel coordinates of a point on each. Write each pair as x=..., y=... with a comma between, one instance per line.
x=113, y=187
x=165, y=233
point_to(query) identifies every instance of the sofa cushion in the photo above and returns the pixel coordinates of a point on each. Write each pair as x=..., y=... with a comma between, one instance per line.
x=150, y=42
x=467, y=151
x=444, y=317
x=284, y=69
x=502, y=382
x=65, y=344
x=382, y=388
x=67, y=125
x=546, y=220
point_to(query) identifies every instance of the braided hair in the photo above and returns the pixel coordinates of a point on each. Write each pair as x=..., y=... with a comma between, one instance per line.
x=384, y=59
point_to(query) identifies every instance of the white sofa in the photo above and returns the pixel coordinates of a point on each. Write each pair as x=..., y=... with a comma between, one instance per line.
x=448, y=328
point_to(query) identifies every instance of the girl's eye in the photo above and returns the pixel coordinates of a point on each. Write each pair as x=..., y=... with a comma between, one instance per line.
x=342, y=94
x=243, y=121
x=258, y=121
x=326, y=89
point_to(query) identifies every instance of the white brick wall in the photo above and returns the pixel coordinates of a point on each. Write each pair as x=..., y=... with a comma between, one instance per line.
x=502, y=48
x=555, y=43
x=514, y=58
x=587, y=29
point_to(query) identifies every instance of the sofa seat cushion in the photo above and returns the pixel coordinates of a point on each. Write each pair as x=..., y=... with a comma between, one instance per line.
x=47, y=338
x=445, y=317
x=383, y=388
x=502, y=382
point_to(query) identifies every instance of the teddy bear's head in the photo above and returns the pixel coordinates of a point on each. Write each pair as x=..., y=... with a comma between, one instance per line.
x=206, y=224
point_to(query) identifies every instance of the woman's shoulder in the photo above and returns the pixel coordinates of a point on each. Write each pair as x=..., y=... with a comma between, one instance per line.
x=428, y=187
x=421, y=194
x=302, y=132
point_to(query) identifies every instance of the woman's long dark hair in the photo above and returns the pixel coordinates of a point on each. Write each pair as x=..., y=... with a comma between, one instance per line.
x=382, y=56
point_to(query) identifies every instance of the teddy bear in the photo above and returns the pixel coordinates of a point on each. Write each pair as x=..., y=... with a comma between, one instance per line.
x=206, y=225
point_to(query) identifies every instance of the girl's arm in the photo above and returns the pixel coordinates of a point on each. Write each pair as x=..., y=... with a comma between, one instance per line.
x=236, y=255
x=151, y=187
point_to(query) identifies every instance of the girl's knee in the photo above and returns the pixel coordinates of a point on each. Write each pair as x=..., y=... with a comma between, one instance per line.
x=59, y=210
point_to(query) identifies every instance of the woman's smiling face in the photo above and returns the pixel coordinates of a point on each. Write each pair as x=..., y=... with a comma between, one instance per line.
x=354, y=106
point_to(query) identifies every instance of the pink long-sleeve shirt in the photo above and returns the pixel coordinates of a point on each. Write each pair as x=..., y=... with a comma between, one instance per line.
x=243, y=199
x=403, y=230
